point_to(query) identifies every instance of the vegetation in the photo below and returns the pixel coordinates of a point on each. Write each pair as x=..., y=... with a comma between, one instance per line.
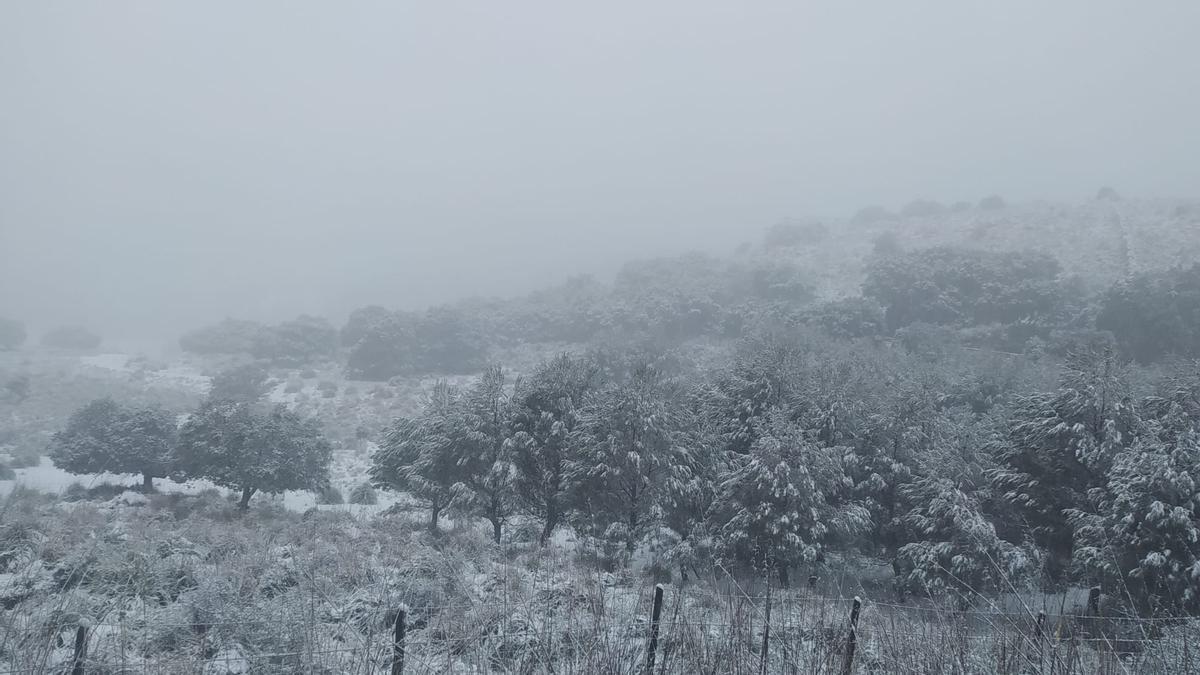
x=105, y=436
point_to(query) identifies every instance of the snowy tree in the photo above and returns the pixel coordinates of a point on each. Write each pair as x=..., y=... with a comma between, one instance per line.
x=1058, y=446
x=416, y=456
x=544, y=417
x=1141, y=535
x=105, y=436
x=482, y=450
x=627, y=453
x=782, y=500
x=957, y=551
x=235, y=446
x=241, y=383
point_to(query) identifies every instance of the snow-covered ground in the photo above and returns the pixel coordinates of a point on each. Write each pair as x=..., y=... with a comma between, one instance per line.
x=48, y=478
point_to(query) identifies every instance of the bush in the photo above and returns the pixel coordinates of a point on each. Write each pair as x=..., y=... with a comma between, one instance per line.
x=243, y=383
x=330, y=495
x=230, y=336
x=327, y=389
x=12, y=334
x=71, y=337
x=294, y=342
x=363, y=493
x=953, y=286
x=1152, y=315
x=1107, y=194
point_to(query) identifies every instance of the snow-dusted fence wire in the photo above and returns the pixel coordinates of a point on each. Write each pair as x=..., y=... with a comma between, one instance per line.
x=699, y=631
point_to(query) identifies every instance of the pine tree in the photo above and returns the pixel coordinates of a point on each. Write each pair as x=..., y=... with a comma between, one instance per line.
x=482, y=447
x=782, y=500
x=544, y=417
x=416, y=456
x=957, y=550
x=626, y=454
x=1140, y=536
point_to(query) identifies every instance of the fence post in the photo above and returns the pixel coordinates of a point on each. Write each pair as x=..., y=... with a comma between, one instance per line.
x=852, y=638
x=80, y=650
x=654, y=616
x=398, y=641
x=762, y=659
x=1094, y=600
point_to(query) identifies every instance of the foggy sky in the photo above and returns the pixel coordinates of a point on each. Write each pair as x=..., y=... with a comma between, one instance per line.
x=164, y=164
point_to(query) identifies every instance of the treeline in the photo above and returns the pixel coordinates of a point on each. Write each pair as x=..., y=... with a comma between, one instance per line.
x=231, y=440
x=967, y=473
x=1018, y=302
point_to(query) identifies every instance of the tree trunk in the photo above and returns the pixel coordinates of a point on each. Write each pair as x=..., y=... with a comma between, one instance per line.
x=434, y=513
x=247, y=493
x=547, y=530
x=147, y=483
x=785, y=580
x=496, y=525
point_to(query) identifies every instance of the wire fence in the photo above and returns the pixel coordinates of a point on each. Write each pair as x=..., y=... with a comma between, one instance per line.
x=679, y=630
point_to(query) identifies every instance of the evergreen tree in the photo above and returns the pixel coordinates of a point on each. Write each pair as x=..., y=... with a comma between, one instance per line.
x=1140, y=535
x=627, y=454
x=104, y=436
x=783, y=500
x=545, y=415
x=483, y=449
x=1058, y=446
x=417, y=455
x=238, y=447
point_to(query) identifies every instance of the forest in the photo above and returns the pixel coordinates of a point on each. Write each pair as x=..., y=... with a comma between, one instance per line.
x=982, y=424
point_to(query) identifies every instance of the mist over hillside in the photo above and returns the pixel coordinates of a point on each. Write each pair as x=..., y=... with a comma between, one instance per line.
x=540, y=337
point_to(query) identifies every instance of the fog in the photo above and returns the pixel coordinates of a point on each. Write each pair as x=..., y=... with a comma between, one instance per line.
x=166, y=164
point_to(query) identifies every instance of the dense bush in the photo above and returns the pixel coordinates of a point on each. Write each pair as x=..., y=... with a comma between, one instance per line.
x=964, y=287
x=230, y=336
x=1153, y=315
x=299, y=341
x=242, y=383
x=71, y=337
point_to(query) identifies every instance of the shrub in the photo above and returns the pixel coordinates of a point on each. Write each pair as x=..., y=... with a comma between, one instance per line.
x=328, y=494
x=297, y=341
x=230, y=336
x=363, y=493
x=71, y=337
x=327, y=389
x=242, y=383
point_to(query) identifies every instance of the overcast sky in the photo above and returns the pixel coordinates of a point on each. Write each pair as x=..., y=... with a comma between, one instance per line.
x=163, y=164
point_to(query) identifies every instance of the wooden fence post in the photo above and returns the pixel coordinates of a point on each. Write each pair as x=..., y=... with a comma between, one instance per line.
x=81, y=638
x=852, y=638
x=398, y=640
x=654, y=617
x=762, y=659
